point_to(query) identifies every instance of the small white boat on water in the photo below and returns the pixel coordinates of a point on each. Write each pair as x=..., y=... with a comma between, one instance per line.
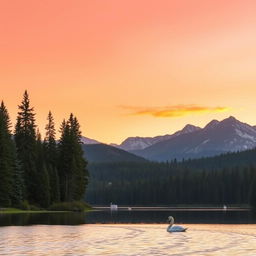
x=113, y=207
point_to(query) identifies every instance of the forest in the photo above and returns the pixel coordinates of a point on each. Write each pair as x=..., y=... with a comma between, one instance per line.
x=39, y=171
x=45, y=171
x=226, y=179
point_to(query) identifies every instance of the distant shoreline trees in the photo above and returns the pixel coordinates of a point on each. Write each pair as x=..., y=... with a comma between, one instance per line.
x=152, y=184
x=39, y=171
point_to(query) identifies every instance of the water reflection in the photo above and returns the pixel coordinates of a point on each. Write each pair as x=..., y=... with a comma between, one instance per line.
x=108, y=217
x=128, y=240
x=42, y=218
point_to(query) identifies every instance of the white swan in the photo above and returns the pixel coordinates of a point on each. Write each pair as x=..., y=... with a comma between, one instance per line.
x=172, y=228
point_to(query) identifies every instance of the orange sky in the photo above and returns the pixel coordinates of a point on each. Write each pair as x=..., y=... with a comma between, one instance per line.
x=127, y=68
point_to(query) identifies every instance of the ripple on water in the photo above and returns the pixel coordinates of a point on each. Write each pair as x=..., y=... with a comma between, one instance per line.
x=120, y=239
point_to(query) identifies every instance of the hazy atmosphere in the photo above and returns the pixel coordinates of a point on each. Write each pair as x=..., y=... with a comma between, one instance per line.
x=130, y=68
x=128, y=127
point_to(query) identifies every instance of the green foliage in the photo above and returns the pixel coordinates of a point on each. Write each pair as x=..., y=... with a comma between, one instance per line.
x=72, y=165
x=50, y=154
x=53, y=183
x=171, y=183
x=7, y=158
x=231, y=159
x=35, y=208
x=18, y=186
x=42, y=195
x=25, y=139
x=48, y=173
x=77, y=206
x=24, y=205
x=31, y=171
x=252, y=195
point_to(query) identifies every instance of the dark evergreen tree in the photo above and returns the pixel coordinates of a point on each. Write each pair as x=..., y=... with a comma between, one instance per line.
x=42, y=194
x=80, y=171
x=18, y=187
x=72, y=165
x=50, y=152
x=64, y=160
x=25, y=139
x=17, y=183
x=152, y=183
x=252, y=195
x=6, y=158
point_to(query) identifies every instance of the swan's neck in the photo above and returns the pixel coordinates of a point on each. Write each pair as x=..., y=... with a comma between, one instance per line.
x=171, y=223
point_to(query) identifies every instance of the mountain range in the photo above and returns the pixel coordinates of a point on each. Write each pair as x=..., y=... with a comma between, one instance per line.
x=215, y=138
x=140, y=143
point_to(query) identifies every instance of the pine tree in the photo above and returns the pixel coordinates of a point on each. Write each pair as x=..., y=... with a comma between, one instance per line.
x=18, y=186
x=6, y=158
x=50, y=152
x=64, y=160
x=42, y=194
x=79, y=162
x=72, y=165
x=252, y=192
x=25, y=139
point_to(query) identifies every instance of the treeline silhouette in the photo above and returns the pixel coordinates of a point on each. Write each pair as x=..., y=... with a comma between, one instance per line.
x=40, y=171
x=225, y=179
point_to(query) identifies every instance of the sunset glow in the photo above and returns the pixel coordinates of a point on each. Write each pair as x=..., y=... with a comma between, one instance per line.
x=175, y=111
x=130, y=68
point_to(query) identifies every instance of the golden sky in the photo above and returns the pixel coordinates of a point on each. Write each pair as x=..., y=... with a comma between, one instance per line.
x=130, y=67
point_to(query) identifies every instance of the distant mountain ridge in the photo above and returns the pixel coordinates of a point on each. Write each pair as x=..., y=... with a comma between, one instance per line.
x=140, y=143
x=89, y=141
x=215, y=138
x=102, y=153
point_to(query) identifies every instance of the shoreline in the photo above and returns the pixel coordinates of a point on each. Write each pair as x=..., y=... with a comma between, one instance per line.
x=130, y=208
x=19, y=211
x=182, y=208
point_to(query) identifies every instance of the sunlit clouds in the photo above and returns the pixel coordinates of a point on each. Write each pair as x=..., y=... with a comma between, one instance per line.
x=173, y=111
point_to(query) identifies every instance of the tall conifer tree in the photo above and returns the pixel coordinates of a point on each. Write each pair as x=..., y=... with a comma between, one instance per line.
x=72, y=165
x=80, y=174
x=252, y=192
x=6, y=158
x=64, y=160
x=50, y=152
x=25, y=139
x=42, y=195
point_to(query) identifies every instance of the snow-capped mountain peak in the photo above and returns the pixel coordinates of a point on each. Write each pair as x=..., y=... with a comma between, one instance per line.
x=134, y=143
x=140, y=143
x=89, y=141
x=215, y=138
x=192, y=142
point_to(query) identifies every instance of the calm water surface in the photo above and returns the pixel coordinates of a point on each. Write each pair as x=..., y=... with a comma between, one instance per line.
x=128, y=233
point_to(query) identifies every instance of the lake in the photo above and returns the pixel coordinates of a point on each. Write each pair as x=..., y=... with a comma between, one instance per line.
x=135, y=232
